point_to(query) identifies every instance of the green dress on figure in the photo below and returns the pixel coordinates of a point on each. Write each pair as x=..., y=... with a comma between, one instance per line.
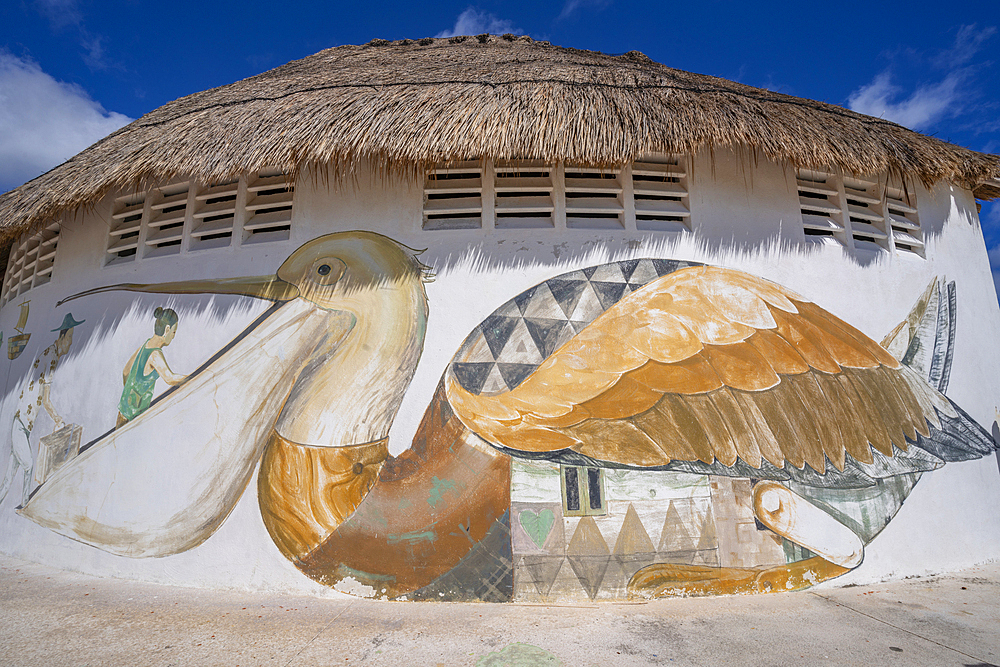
x=138, y=391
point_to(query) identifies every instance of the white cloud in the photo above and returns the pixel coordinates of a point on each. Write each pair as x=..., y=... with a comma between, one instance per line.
x=474, y=22
x=968, y=41
x=925, y=106
x=930, y=102
x=44, y=122
x=572, y=5
x=60, y=13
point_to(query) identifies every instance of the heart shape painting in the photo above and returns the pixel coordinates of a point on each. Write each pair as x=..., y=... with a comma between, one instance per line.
x=537, y=524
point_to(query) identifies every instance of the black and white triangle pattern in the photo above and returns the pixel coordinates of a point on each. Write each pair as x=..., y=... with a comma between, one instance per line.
x=522, y=333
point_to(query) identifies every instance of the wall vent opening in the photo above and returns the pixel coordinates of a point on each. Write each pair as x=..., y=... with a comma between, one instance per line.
x=215, y=215
x=167, y=213
x=819, y=204
x=523, y=195
x=453, y=197
x=864, y=210
x=126, y=222
x=269, y=207
x=660, y=191
x=901, y=215
x=31, y=262
x=594, y=198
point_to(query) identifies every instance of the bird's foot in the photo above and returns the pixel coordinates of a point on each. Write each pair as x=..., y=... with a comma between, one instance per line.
x=674, y=579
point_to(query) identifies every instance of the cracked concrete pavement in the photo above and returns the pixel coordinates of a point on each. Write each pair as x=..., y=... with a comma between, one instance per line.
x=51, y=617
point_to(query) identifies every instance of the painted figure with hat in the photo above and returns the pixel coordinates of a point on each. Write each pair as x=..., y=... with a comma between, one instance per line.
x=33, y=398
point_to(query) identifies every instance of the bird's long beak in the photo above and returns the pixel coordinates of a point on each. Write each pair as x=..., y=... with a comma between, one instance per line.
x=261, y=287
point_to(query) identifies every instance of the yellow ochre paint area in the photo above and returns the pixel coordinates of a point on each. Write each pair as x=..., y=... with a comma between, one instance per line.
x=306, y=492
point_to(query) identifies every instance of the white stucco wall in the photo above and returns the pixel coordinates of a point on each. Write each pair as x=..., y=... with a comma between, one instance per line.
x=745, y=215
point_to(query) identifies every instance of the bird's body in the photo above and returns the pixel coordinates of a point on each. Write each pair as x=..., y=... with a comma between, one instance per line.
x=645, y=364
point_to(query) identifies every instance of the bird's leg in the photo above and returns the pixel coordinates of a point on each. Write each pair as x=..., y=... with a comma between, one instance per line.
x=672, y=579
x=787, y=514
x=306, y=492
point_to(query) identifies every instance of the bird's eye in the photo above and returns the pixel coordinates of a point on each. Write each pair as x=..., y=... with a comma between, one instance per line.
x=324, y=269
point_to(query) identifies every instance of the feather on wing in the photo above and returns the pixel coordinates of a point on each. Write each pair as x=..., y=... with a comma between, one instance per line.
x=711, y=365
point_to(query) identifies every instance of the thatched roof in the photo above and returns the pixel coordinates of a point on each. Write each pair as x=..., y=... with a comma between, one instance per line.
x=409, y=103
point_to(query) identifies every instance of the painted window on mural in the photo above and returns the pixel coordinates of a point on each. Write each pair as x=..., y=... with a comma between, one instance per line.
x=190, y=216
x=583, y=491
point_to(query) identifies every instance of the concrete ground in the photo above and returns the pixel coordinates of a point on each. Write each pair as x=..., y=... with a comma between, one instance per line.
x=55, y=618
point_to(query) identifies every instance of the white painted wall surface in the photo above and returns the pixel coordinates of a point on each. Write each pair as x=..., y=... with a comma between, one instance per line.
x=744, y=216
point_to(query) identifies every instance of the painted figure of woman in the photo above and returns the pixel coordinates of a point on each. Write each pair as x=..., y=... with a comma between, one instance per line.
x=145, y=366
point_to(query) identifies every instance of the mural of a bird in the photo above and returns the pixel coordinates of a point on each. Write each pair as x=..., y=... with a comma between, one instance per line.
x=688, y=368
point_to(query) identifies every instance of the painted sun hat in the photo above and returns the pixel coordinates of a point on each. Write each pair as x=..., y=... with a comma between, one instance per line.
x=68, y=323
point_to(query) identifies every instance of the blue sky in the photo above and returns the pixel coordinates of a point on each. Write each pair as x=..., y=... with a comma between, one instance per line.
x=73, y=70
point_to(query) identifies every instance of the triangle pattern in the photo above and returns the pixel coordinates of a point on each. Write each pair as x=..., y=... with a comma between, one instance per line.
x=587, y=540
x=628, y=268
x=643, y=273
x=633, y=548
x=590, y=571
x=709, y=539
x=608, y=293
x=543, y=304
x=608, y=273
x=520, y=347
x=675, y=536
x=566, y=293
x=665, y=266
x=577, y=327
x=494, y=382
x=589, y=307
x=472, y=376
x=548, y=334
x=522, y=299
x=588, y=555
x=633, y=538
x=589, y=271
x=514, y=374
x=543, y=570
x=509, y=309
x=475, y=349
x=496, y=330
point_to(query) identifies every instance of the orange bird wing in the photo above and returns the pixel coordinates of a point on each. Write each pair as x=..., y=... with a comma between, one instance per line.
x=709, y=364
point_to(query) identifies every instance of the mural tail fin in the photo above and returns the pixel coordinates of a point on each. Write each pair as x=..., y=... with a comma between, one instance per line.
x=960, y=438
x=944, y=339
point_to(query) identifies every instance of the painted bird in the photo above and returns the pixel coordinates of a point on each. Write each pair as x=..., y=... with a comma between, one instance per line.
x=678, y=367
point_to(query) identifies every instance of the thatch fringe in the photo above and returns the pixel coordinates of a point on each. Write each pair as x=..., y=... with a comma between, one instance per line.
x=404, y=105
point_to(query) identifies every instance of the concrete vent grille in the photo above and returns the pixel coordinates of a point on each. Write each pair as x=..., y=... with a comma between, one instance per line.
x=168, y=207
x=864, y=210
x=268, y=208
x=660, y=192
x=215, y=215
x=126, y=223
x=523, y=195
x=32, y=263
x=453, y=197
x=903, y=221
x=594, y=198
x=819, y=203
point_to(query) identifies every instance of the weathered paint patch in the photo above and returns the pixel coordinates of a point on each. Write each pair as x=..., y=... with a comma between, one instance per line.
x=441, y=486
x=352, y=586
x=518, y=655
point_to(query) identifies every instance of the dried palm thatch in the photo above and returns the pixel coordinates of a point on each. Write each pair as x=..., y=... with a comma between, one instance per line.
x=406, y=104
